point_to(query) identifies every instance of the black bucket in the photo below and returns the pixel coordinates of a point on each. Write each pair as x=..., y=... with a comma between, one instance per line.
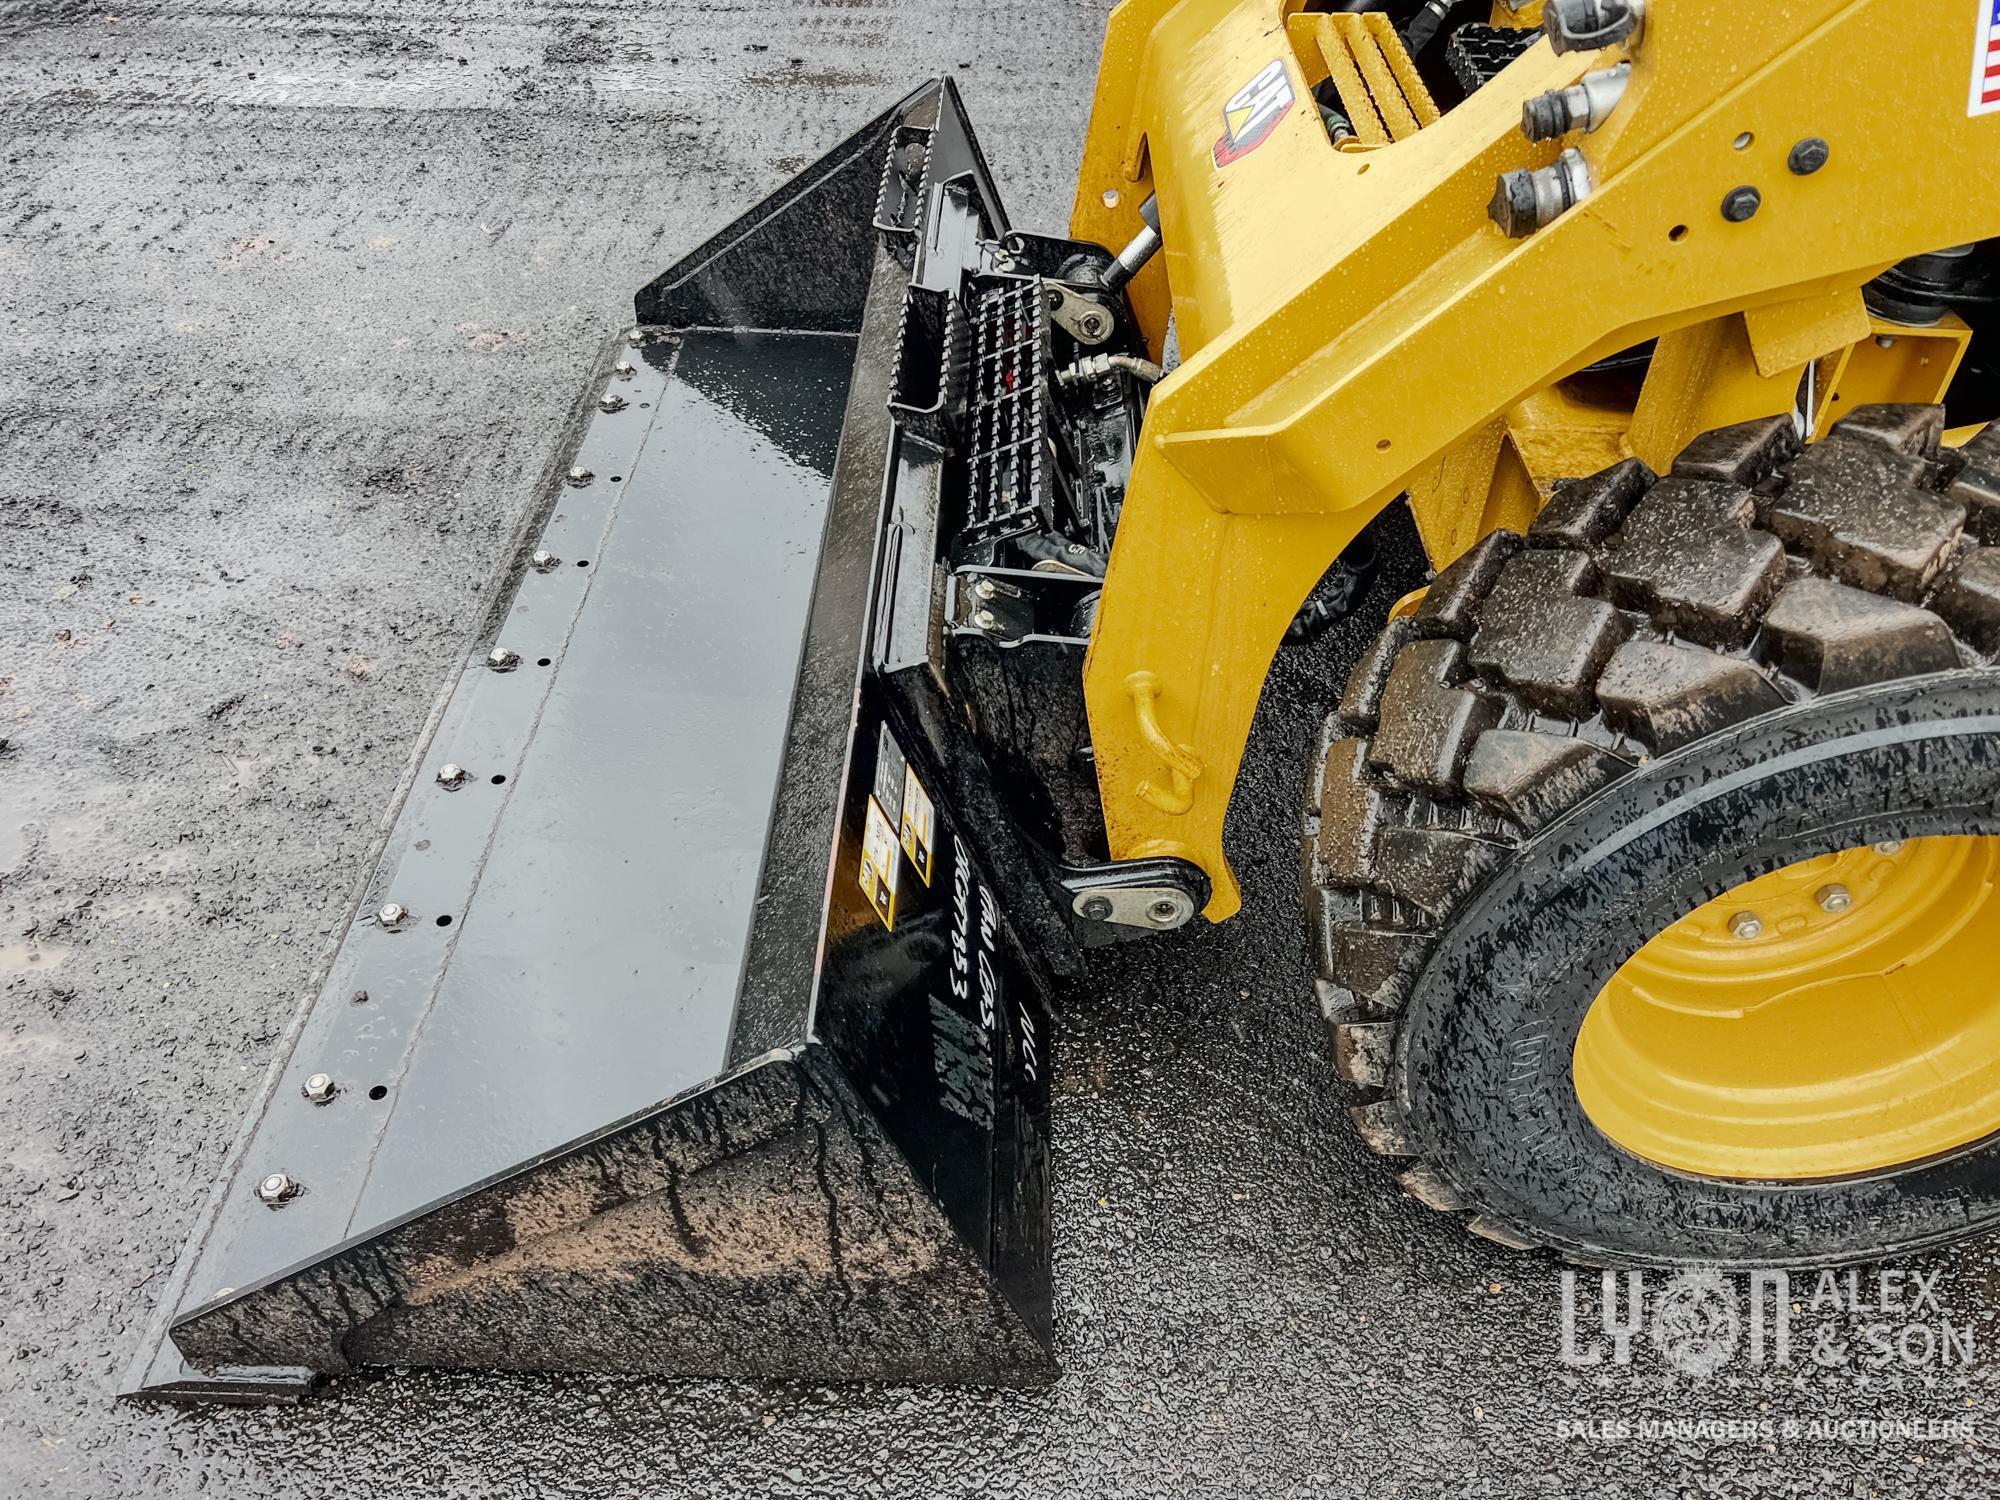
x=679, y=1027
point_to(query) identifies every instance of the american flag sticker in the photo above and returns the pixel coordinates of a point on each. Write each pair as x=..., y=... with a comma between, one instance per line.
x=1986, y=61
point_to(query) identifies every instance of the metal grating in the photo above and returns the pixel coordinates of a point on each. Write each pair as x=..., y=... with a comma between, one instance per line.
x=1477, y=54
x=1010, y=490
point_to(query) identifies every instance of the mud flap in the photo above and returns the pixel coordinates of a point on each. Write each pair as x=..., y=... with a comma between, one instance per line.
x=679, y=1027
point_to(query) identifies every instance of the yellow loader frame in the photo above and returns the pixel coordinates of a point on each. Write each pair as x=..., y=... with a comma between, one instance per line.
x=1353, y=326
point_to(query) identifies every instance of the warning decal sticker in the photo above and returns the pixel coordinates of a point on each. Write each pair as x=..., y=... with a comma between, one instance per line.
x=1254, y=111
x=881, y=863
x=919, y=823
x=1986, y=60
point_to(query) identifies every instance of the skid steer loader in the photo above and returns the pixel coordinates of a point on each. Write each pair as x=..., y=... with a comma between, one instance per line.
x=891, y=626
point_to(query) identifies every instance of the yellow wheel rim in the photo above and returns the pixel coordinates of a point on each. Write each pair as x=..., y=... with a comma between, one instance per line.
x=1838, y=1016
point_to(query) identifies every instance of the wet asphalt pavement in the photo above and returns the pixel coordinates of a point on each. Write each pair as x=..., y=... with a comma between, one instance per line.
x=293, y=295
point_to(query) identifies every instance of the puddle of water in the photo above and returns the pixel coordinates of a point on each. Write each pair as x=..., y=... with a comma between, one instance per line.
x=32, y=1044
x=67, y=834
x=32, y=958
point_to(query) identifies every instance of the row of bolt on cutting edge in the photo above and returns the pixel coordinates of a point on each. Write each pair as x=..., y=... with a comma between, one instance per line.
x=1532, y=198
x=279, y=1188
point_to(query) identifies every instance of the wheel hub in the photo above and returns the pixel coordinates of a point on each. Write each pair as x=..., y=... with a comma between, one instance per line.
x=1834, y=1017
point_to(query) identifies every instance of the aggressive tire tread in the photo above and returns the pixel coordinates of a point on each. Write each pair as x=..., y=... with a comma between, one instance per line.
x=1638, y=615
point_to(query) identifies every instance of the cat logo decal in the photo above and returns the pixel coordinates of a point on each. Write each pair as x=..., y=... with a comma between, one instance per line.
x=1253, y=112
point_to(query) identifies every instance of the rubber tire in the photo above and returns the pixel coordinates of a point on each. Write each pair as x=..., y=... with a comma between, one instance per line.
x=1666, y=688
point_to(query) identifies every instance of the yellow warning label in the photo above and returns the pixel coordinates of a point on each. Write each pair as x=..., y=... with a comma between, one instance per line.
x=880, y=864
x=919, y=823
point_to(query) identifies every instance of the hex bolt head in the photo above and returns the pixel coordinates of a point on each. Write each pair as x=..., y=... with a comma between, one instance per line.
x=1808, y=156
x=500, y=659
x=636, y=337
x=624, y=369
x=1834, y=899
x=984, y=588
x=579, y=477
x=1741, y=204
x=985, y=619
x=1094, y=325
x=1746, y=925
x=611, y=401
x=320, y=1088
x=1097, y=908
x=1889, y=846
x=392, y=913
x=275, y=1188
x=544, y=561
x=451, y=776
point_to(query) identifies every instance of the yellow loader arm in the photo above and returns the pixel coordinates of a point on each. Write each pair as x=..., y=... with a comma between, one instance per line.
x=1354, y=325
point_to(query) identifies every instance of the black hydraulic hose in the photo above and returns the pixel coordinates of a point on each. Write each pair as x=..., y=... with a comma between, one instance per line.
x=1338, y=593
x=1423, y=30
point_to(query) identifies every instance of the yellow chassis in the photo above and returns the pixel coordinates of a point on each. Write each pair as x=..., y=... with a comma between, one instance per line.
x=1354, y=327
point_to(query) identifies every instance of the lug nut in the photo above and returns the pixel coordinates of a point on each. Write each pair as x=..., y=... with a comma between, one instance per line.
x=451, y=777
x=580, y=476
x=1526, y=200
x=1097, y=908
x=500, y=659
x=611, y=401
x=1746, y=925
x=1833, y=898
x=320, y=1088
x=392, y=913
x=276, y=1188
x=1889, y=846
x=544, y=561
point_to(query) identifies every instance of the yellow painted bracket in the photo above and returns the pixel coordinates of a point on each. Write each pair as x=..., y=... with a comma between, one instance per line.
x=1893, y=363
